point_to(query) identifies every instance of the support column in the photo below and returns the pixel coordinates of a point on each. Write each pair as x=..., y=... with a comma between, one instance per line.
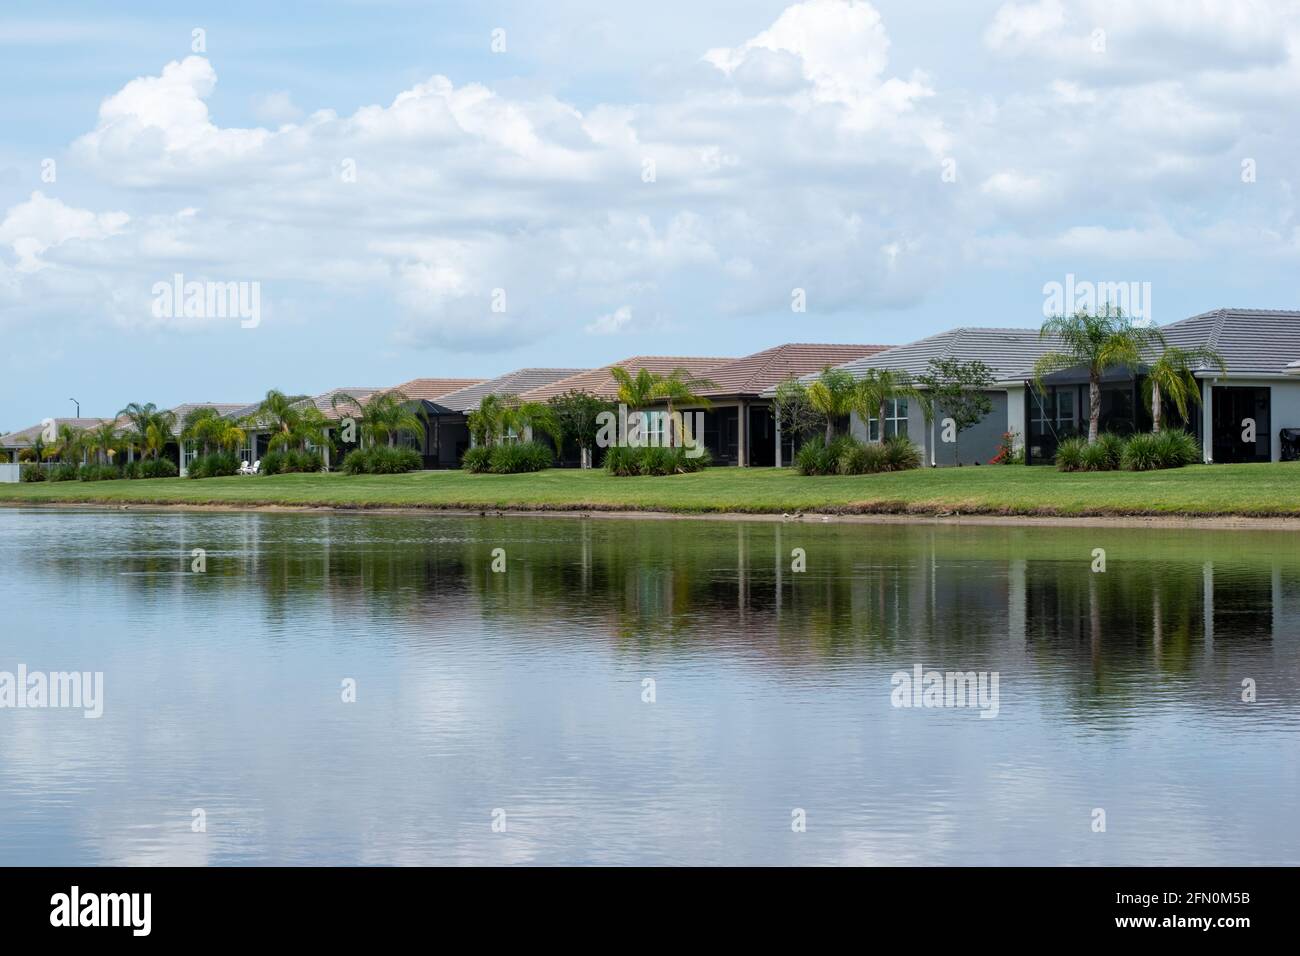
x=1207, y=420
x=777, y=419
x=742, y=434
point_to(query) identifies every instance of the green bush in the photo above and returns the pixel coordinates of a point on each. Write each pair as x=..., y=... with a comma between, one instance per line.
x=382, y=460
x=517, y=457
x=1112, y=446
x=31, y=473
x=1141, y=453
x=63, y=471
x=815, y=457
x=1097, y=457
x=477, y=460
x=97, y=472
x=626, y=462
x=153, y=468
x=1175, y=448
x=217, y=465
x=1069, y=454
x=857, y=458
x=291, y=461
x=901, y=453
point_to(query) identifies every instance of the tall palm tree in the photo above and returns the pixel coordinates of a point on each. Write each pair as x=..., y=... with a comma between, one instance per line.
x=1107, y=339
x=69, y=442
x=537, y=416
x=201, y=426
x=1173, y=376
x=681, y=386
x=875, y=389
x=384, y=415
x=292, y=424
x=832, y=393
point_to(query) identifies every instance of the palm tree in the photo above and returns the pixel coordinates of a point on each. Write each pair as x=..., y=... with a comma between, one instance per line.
x=635, y=391
x=832, y=393
x=874, y=391
x=383, y=415
x=535, y=416
x=1172, y=376
x=152, y=428
x=1108, y=339
x=201, y=425
x=681, y=386
x=485, y=422
x=104, y=441
x=69, y=442
x=293, y=425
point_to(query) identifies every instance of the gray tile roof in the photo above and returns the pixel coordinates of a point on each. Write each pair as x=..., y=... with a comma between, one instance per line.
x=23, y=437
x=512, y=383
x=1010, y=353
x=1263, y=341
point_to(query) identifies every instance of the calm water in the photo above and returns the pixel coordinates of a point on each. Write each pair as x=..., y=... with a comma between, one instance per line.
x=522, y=691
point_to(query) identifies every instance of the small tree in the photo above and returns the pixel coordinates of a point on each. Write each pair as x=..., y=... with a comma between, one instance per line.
x=575, y=415
x=959, y=391
x=794, y=411
x=1172, y=376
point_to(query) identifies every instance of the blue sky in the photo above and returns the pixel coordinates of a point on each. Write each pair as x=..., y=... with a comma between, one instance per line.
x=794, y=146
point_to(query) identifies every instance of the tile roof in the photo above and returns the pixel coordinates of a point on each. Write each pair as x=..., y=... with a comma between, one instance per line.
x=770, y=367
x=599, y=381
x=432, y=389
x=324, y=402
x=24, y=436
x=1250, y=340
x=180, y=411
x=1009, y=353
x=513, y=383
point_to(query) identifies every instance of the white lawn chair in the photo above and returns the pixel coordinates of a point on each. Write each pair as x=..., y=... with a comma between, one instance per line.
x=256, y=465
x=243, y=467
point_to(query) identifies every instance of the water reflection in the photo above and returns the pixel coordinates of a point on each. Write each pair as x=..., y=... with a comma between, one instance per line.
x=523, y=690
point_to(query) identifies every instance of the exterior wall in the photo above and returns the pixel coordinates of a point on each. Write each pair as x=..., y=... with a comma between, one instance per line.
x=978, y=443
x=1016, y=415
x=1284, y=406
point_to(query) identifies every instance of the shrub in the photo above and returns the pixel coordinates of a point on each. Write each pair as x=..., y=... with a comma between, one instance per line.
x=815, y=457
x=1141, y=454
x=1112, y=450
x=290, y=461
x=96, y=472
x=1176, y=448
x=1069, y=454
x=857, y=458
x=31, y=473
x=1008, y=453
x=64, y=471
x=901, y=453
x=1096, y=457
x=382, y=460
x=625, y=462
x=154, y=468
x=216, y=465
x=520, y=457
x=476, y=460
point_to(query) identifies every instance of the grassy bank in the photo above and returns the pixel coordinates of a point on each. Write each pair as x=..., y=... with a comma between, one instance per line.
x=1264, y=489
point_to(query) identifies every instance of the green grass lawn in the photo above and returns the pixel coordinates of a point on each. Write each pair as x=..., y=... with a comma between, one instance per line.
x=1259, y=489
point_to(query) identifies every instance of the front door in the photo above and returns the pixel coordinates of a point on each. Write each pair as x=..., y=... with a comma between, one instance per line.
x=1238, y=413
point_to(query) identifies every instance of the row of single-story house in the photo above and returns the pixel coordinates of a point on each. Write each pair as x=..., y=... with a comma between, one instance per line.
x=1261, y=350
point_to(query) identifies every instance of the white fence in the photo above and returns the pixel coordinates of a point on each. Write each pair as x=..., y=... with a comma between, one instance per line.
x=9, y=473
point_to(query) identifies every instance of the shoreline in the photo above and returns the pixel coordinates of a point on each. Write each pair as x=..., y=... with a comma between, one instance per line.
x=920, y=516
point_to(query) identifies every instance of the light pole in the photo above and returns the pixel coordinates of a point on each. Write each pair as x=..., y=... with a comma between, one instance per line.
x=78, y=404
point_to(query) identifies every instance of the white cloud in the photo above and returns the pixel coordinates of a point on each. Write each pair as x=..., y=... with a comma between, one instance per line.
x=34, y=226
x=612, y=322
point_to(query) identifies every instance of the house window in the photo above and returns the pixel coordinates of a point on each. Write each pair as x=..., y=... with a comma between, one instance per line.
x=895, y=420
x=1053, y=411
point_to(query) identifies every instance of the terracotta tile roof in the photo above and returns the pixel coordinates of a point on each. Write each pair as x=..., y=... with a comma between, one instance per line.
x=766, y=369
x=599, y=381
x=432, y=389
x=24, y=436
x=324, y=402
x=518, y=382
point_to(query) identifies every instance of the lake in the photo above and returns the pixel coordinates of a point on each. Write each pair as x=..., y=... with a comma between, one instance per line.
x=332, y=688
